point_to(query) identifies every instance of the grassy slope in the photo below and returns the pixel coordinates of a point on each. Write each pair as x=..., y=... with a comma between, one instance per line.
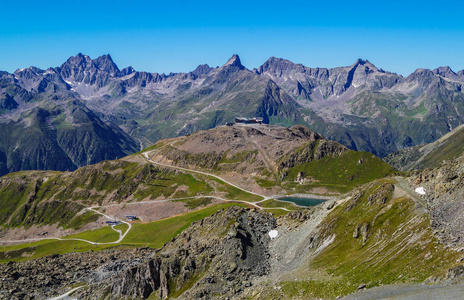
x=450, y=149
x=153, y=234
x=399, y=247
x=272, y=203
x=339, y=174
x=30, y=198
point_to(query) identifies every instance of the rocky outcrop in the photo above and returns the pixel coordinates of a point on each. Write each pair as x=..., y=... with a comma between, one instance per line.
x=444, y=191
x=214, y=258
x=312, y=151
x=42, y=278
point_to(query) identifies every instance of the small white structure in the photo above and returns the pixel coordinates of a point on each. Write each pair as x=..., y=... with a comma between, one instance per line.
x=420, y=190
x=273, y=234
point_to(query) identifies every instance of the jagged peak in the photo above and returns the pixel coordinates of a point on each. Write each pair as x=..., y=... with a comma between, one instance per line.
x=202, y=69
x=443, y=71
x=277, y=65
x=234, y=61
x=127, y=71
x=79, y=59
x=421, y=74
x=106, y=63
x=30, y=70
x=364, y=63
x=80, y=55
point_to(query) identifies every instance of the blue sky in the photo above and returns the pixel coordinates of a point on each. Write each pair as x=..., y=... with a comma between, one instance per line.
x=176, y=36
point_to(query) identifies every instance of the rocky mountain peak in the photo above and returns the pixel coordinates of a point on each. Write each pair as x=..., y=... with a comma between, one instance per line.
x=234, y=61
x=78, y=60
x=364, y=63
x=202, y=69
x=278, y=65
x=419, y=73
x=445, y=72
x=127, y=71
x=106, y=63
x=81, y=68
x=28, y=73
x=442, y=69
x=272, y=61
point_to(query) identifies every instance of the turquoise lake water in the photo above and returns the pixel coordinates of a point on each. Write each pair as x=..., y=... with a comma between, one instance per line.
x=302, y=201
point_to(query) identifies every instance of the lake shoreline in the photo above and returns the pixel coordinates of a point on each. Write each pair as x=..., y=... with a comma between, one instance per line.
x=309, y=196
x=303, y=200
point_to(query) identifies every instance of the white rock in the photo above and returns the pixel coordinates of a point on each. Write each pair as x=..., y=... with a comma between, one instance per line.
x=420, y=190
x=273, y=234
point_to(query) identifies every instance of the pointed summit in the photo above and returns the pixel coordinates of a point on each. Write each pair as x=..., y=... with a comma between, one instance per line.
x=78, y=60
x=202, y=69
x=234, y=61
x=364, y=63
x=106, y=63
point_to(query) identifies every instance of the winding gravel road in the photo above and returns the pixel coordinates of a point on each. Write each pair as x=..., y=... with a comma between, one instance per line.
x=204, y=173
x=122, y=235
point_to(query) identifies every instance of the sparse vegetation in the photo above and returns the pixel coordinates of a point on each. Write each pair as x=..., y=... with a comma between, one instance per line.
x=272, y=203
x=196, y=202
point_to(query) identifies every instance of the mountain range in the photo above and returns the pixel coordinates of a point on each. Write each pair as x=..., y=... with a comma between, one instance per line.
x=88, y=110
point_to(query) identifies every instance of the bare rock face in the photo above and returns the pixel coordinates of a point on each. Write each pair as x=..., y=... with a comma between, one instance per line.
x=41, y=278
x=148, y=278
x=235, y=62
x=218, y=255
x=444, y=191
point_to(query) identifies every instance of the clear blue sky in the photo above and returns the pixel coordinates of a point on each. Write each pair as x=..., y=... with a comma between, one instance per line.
x=176, y=36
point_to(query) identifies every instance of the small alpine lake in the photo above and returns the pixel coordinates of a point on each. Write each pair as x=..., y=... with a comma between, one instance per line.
x=302, y=201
